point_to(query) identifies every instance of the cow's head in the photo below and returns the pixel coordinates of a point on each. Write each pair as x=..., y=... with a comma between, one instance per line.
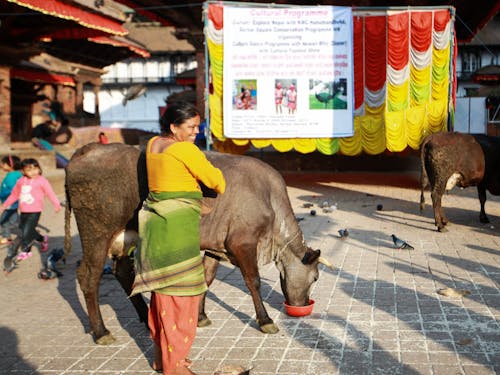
x=298, y=274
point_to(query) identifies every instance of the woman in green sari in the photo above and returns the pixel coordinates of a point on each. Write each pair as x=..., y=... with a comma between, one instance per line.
x=168, y=260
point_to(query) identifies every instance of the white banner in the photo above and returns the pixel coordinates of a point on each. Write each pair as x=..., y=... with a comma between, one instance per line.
x=288, y=72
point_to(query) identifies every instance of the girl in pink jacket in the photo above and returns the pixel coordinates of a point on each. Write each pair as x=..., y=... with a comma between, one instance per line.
x=30, y=191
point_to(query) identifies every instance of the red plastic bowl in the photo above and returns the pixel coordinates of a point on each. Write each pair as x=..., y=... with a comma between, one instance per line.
x=299, y=310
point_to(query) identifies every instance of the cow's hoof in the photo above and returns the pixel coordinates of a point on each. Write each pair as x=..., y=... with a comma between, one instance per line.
x=269, y=328
x=442, y=230
x=204, y=322
x=105, y=340
x=484, y=219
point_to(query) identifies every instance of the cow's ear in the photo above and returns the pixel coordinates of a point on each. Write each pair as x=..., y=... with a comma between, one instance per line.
x=310, y=256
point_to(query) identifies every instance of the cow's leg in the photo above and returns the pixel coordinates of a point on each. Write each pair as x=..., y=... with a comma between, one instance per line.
x=481, y=192
x=423, y=182
x=436, y=195
x=89, y=275
x=422, y=200
x=444, y=219
x=124, y=272
x=210, y=264
x=250, y=273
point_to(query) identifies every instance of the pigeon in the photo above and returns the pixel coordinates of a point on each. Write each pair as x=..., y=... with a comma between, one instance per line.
x=54, y=256
x=401, y=244
x=9, y=264
x=343, y=233
x=232, y=370
x=133, y=92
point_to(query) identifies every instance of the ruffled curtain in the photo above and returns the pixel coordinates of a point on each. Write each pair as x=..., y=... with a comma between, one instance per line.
x=402, y=62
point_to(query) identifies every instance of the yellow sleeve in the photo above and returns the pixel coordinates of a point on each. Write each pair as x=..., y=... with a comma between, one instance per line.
x=199, y=166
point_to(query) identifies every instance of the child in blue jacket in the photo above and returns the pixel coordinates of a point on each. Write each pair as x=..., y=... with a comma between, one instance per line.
x=9, y=218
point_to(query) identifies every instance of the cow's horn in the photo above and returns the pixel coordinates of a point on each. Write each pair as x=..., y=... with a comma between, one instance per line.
x=325, y=262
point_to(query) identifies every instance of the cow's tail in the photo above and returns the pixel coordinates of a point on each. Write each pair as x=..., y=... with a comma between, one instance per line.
x=67, y=225
x=424, y=180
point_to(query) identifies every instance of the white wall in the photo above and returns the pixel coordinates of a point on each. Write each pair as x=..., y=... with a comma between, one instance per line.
x=140, y=113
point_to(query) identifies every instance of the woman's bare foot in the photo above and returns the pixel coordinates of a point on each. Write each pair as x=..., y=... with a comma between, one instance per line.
x=157, y=362
x=183, y=370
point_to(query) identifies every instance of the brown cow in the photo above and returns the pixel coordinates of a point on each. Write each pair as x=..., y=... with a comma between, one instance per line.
x=450, y=159
x=250, y=225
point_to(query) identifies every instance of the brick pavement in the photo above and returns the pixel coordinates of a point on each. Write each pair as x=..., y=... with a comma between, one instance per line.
x=377, y=313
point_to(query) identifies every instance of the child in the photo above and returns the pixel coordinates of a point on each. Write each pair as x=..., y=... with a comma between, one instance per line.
x=12, y=165
x=30, y=191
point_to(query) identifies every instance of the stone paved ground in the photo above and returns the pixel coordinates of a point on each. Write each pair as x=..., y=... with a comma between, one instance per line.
x=377, y=313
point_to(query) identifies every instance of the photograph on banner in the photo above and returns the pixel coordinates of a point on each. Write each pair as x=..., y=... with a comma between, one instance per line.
x=328, y=95
x=244, y=94
x=285, y=96
x=289, y=71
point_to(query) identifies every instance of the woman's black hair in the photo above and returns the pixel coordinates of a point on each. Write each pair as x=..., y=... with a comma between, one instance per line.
x=30, y=161
x=13, y=161
x=177, y=114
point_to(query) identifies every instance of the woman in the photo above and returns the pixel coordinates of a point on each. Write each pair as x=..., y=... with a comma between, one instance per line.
x=168, y=260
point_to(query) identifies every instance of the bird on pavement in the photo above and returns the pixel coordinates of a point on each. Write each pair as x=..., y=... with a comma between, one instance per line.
x=343, y=233
x=401, y=244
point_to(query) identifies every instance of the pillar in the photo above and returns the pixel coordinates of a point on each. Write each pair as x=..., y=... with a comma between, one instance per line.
x=5, y=105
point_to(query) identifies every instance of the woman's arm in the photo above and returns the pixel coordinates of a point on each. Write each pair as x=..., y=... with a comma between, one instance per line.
x=202, y=169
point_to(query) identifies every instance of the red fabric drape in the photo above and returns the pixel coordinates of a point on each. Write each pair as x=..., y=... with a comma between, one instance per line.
x=397, y=40
x=454, y=73
x=421, y=30
x=441, y=19
x=375, y=52
x=359, y=79
x=216, y=15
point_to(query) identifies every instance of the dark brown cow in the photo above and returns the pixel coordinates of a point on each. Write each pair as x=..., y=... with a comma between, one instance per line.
x=450, y=159
x=491, y=179
x=251, y=224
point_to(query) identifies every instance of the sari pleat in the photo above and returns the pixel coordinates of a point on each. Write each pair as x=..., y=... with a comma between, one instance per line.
x=172, y=322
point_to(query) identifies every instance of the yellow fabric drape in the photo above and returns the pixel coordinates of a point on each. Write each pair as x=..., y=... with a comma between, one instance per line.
x=415, y=120
x=420, y=85
x=397, y=97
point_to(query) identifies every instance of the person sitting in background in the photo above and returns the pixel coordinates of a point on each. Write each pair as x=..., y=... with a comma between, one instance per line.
x=56, y=129
x=103, y=138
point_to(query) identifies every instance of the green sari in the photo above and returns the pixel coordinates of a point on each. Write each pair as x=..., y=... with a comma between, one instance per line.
x=168, y=259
